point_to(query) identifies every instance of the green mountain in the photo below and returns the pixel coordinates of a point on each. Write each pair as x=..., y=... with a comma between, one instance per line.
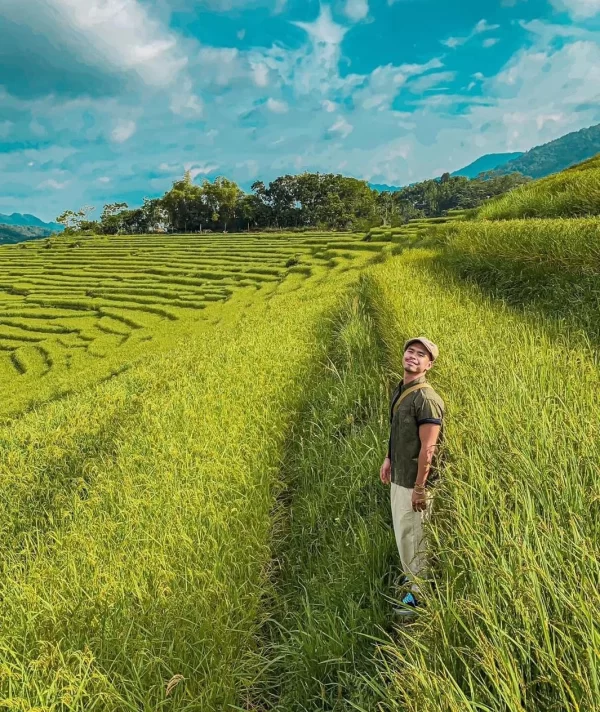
x=11, y=234
x=486, y=163
x=557, y=155
x=27, y=220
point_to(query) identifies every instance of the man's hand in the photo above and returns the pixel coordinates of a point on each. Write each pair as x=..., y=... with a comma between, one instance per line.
x=419, y=500
x=385, y=473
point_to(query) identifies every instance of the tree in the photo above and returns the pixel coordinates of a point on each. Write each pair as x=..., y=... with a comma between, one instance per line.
x=111, y=219
x=223, y=198
x=73, y=220
x=184, y=204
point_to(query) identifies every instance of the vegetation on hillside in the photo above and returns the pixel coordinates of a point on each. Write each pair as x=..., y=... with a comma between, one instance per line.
x=573, y=193
x=556, y=155
x=300, y=202
x=512, y=621
x=11, y=234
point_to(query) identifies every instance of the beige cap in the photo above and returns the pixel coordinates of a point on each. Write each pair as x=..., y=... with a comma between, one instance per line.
x=429, y=345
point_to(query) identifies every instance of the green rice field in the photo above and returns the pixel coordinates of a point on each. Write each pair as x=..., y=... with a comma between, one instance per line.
x=73, y=310
x=192, y=429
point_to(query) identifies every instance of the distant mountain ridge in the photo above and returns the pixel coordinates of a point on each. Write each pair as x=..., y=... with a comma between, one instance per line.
x=485, y=163
x=538, y=162
x=556, y=155
x=27, y=220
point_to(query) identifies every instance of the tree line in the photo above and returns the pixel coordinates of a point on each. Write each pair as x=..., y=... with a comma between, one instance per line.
x=291, y=202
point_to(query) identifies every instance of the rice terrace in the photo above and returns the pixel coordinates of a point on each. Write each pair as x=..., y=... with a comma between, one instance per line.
x=200, y=375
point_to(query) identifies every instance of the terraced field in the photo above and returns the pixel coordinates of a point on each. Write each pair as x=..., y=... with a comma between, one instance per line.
x=71, y=305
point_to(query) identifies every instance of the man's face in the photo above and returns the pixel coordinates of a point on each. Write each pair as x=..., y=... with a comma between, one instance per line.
x=416, y=359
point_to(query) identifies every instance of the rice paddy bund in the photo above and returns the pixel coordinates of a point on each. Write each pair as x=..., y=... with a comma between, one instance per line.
x=75, y=310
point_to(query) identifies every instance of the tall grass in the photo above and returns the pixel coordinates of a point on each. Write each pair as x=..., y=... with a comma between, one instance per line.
x=136, y=519
x=548, y=267
x=332, y=541
x=560, y=245
x=513, y=622
x=569, y=194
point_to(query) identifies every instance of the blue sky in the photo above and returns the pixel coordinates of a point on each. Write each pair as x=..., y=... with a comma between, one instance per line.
x=113, y=99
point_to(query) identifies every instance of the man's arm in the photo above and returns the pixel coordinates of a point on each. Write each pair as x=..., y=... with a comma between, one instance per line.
x=428, y=435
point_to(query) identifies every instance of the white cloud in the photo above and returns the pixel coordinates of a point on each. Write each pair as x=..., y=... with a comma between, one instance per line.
x=260, y=74
x=113, y=35
x=324, y=30
x=104, y=179
x=429, y=81
x=342, y=127
x=481, y=27
x=454, y=42
x=277, y=106
x=543, y=119
x=490, y=42
x=54, y=184
x=123, y=131
x=356, y=10
x=241, y=34
x=200, y=169
x=484, y=26
x=329, y=106
x=579, y=9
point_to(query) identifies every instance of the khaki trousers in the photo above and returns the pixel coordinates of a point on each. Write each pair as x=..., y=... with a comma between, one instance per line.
x=408, y=529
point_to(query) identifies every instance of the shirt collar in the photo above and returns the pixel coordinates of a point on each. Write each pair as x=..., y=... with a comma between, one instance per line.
x=421, y=379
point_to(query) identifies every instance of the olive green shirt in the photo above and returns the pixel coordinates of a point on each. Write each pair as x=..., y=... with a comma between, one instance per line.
x=422, y=406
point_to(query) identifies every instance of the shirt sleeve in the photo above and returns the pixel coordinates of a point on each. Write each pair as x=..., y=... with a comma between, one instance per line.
x=429, y=410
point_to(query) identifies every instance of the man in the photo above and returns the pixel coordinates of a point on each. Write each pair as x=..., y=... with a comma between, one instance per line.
x=416, y=417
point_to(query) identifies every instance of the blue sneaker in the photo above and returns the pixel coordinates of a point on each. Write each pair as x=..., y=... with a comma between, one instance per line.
x=408, y=606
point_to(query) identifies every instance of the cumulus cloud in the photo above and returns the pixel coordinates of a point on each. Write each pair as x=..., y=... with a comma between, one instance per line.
x=356, y=10
x=109, y=37
x=123, y=131
x=578, y=9
x=277, y=106
x=490, y=42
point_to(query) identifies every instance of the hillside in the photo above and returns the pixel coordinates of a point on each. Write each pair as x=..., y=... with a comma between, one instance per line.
x=11, y=234
x=557, y=155
x=27, y=220
x=575, y=192
x=486, y=163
